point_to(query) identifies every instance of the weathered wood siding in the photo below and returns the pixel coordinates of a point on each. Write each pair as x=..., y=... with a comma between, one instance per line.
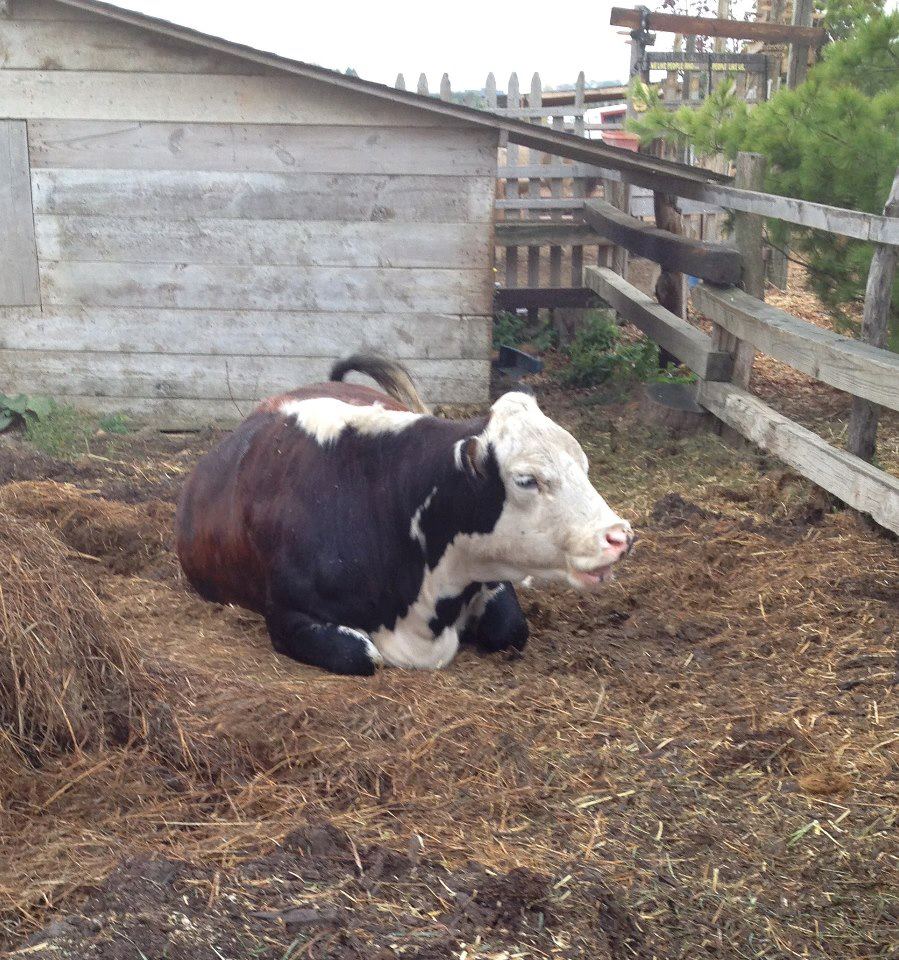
x=208, y=232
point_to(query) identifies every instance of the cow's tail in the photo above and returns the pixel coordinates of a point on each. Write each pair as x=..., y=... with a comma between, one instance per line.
x=392, y=377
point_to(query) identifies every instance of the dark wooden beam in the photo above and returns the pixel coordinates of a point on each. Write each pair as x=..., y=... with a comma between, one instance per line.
x=515, y=298
x=712, y=27
x=525, y=233
x=709, y=261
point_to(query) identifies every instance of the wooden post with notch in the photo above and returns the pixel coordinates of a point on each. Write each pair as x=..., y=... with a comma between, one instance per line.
x=863, y=420
x=797, y=65
x=670, y=287
x=750, y=175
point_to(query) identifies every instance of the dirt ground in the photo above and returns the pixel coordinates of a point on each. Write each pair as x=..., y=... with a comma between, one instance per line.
x=701, y=761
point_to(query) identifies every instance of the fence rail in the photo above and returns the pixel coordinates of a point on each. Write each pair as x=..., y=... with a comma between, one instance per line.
x=743, y=323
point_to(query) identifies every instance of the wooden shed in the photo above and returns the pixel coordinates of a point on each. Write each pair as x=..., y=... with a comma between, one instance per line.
x=190, y=225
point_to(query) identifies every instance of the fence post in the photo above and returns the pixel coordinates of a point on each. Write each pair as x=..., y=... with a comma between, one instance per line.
x=750, y=175
x=512, y=102
x=797, y=65
x=863, y=420
x=535, y=158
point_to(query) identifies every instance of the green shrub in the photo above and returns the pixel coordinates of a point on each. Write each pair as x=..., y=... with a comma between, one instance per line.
x=511, y=330
x=508, y=329
x=598, y=354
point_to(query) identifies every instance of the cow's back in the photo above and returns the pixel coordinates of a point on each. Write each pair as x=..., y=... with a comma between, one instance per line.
x=250, y=471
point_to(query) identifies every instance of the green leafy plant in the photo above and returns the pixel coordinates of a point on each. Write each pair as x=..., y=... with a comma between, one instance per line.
x=115, y=423
x=673, y=374
x=599, y=354
x=508, y=328
x=511, y=329
x=20, y=410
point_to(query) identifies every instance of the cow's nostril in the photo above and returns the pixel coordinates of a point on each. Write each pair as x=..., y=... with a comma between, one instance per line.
x=617, y=537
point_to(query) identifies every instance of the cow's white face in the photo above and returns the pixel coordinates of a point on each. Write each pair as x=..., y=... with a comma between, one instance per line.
x=554, y=525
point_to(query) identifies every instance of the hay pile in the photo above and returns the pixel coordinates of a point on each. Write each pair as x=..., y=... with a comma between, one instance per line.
x=65, y=673
x=125, y=537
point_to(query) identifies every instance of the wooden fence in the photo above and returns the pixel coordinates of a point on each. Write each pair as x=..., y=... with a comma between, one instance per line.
x=541, y=238
x=742, y=324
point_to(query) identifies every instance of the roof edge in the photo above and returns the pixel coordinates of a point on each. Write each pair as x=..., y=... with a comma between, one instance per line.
x=635, y=168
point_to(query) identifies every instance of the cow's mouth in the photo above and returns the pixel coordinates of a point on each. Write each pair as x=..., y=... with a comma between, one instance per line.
x=591, y=579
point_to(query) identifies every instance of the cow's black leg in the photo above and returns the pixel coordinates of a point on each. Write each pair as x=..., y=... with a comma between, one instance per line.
x=501, y=625
x=326, y=645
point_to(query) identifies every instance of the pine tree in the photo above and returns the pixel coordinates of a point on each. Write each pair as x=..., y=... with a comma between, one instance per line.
x=834, y=140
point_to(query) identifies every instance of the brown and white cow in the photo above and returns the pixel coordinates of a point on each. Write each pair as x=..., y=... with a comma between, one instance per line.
x=366, y=531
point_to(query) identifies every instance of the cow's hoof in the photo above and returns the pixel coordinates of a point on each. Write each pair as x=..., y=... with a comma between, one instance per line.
x=362, y=658
x=335, y=648
x=503, y=637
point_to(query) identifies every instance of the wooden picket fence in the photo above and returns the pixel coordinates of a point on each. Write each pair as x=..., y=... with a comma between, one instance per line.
x=541, y=238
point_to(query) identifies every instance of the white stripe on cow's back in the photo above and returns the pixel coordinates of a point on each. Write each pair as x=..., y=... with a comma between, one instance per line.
x=415, y=531
x=325, y=418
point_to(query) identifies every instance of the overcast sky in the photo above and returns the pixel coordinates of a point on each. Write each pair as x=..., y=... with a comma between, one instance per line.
x=466, y=41
x=464, y=38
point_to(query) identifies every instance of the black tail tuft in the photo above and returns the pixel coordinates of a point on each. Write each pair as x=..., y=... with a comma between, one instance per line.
x=390, y=375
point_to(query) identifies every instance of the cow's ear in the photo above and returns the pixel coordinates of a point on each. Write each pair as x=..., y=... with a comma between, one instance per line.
x=470, y=457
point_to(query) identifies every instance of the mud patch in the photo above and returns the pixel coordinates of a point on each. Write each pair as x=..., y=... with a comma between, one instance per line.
x=318, y=891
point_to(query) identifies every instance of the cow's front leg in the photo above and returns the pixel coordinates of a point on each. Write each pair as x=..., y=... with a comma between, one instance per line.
x=497, y=620
x=326, y=645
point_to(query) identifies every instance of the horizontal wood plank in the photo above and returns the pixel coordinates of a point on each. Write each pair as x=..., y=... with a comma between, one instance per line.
x=185, y=194
x=840, y=361
x=18, y=255
x=514, y=298
x=680, y=254
x=261, y=148
x=49, y=10
x=264, y=242
x=194, y=98
x=187, y=377
x=245, y=332
x=855, y=482
x=174, y=415
x=324, y=289
x=690, y=345
x=105, y=45
x=510, y=233
x=541, y=203
x=847, y=223
x=717, y=27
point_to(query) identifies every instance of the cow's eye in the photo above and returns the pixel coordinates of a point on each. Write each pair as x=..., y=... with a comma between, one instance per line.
x=525, y=481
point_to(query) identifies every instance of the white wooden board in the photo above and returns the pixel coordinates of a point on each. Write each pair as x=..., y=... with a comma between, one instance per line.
x=248, y=332
x=18, y=256
x=269, y=196
x=106, y=45
x=261, y=148
x=179, y=376
x=48, y=10
x=844, y=363
x=324, y=289
x=201, y=98
x=264, y=242
x=854, y=481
